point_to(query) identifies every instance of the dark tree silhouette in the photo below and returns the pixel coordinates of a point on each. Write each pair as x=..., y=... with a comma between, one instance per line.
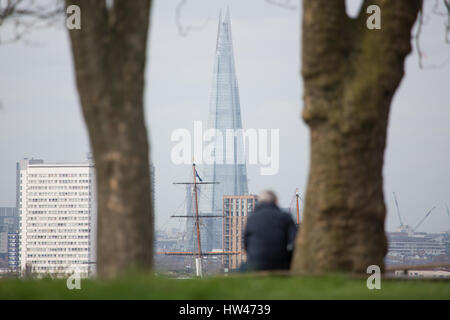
x=350, y=76
x=109, y=54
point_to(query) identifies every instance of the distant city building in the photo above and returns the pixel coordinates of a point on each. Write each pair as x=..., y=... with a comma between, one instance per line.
x=9, y=226
x=3, y=247
x=402, y=243
x=417, y=248
x=235, y=212
x=170, y=240
x=9, y=218
x=224, y=114
x=191, y=244
x=13, y=251
x=430, y=274
x=57, y=217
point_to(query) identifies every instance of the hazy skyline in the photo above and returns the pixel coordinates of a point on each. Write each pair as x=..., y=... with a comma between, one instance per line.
x=40, y=115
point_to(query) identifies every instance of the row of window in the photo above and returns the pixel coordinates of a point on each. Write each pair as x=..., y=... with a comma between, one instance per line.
x=59, y=200
x=61, y=194
x=66, y=262
x=63, y=181
x=61, y=175
x=59, y=224
x=58, y=237
x=58, y=249
x=29, y=230
x=56, y=243
x=54, y=206
x=46, y=218
x=59, y=269
x=58, y=212
x=59, y=187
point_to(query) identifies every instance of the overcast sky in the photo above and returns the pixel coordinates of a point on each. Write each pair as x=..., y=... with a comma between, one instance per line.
x=40, y=115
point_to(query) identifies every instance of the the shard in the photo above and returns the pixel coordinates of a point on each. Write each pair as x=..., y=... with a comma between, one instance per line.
x=228, y=170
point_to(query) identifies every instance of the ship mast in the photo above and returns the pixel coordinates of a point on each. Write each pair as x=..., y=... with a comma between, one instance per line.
x=197, y=220
x=298, y=208
x=199, y=253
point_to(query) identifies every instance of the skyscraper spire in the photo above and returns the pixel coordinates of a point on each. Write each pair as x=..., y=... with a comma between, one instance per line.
x=227, y=18
x=229, y=168
x=218, y=29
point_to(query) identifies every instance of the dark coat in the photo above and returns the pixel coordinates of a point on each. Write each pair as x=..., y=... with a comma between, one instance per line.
x=269, y=238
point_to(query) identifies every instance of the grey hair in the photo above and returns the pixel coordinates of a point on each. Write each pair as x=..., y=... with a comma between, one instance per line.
x=267, y=196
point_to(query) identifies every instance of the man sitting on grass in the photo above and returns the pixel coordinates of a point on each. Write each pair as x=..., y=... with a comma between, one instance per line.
x=269, y=236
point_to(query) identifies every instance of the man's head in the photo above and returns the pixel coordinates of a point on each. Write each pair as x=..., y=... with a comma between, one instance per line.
x=267, y=197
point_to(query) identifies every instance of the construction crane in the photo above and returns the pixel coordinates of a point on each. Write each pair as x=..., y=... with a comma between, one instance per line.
x=423, y=219
x=398, y=211
x=403, y=227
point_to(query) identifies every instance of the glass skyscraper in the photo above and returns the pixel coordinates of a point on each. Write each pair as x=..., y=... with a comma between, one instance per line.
x=229, y=168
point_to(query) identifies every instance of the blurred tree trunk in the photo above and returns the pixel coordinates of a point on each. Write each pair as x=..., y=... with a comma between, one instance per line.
x=350, y=76
x=109, y=60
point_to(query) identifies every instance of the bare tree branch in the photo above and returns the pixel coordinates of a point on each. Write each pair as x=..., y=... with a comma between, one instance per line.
x=417, y=36
x=286, y=4
x=447, y=23
x=421, y=22
x=182, y=29
x=24, y=16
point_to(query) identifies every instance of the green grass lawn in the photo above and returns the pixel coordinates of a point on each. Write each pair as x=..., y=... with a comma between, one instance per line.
x=236, y=287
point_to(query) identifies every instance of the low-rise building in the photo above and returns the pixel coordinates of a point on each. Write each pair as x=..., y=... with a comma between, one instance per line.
x=235, y=212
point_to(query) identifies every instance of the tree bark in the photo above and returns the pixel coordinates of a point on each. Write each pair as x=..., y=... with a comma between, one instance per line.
x=350, y=76
x=109, y=60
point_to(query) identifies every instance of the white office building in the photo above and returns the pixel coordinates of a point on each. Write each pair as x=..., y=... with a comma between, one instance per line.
x=57, y=217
